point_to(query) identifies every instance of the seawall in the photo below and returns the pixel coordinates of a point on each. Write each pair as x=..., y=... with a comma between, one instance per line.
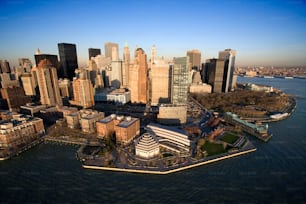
x=172, y=170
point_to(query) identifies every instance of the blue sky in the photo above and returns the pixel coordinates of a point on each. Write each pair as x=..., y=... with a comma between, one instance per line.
x=264, y=32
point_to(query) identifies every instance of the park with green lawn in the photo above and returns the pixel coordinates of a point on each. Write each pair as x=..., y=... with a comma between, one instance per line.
x=229, y=138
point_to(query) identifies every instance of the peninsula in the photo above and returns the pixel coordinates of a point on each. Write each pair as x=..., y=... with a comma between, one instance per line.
x=207, y=137
x=142, y=145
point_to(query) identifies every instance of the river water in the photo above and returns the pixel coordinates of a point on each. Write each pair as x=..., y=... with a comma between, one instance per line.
x=275, y=173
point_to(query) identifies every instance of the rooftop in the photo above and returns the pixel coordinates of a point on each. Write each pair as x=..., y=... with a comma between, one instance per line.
x=107, y=119
x=127, y=122
x=174, y=129
x=251, y=125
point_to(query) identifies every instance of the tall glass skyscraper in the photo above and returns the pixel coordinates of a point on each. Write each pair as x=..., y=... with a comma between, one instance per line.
x=92, y=52
x=111, y=50
x=180, y=74
x=214, y=72
x=228, y=55
x=68, y=60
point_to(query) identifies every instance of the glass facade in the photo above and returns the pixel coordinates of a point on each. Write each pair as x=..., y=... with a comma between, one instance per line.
x=180, y=75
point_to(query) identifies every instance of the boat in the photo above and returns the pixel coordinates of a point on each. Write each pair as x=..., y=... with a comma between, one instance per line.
x=279, y=116
x=279, y=76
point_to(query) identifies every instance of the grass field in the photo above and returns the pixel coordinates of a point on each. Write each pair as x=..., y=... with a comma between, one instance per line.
x=212, y=148
x=229, y=138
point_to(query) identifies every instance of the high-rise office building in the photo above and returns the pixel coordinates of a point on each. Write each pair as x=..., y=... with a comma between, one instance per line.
x=194, y=59
x=214, y=71
x=28, y=84
x=5, y=66
x=125, y=65
x=51, y=58
x=126, y=53
x=25, y=65
x=160, y=78
x=138, y=77
x=111, y=50
x=228, y=55
x=153, y=55
x=116, y=73
x=180, y=77
x=68, y=60
x=15, y=97
x=92, y=52
x=82, y=90
x=8, y=79
x=48, y=84
x=176, y=112
x=65, y=88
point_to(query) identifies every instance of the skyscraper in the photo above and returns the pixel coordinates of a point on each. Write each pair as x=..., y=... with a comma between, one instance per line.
x=126, y=53
x=82, y=90
x=92, y=52
x=194, y=59
x=68, y=60
x=153, y=55
x=15, y=97
x=125, y=65
x=28, y=84
x=25, y=65
x=111, y=50
x=160, y=78
x=116, y=73
x=138, y=77
x=48, y=84
x=214, y=72
x=228, y=55
x=52, y=58
x=5, y=66
x=180, y=74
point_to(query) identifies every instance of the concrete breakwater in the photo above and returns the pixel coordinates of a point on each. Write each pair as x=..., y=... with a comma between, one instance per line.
x=145, y=171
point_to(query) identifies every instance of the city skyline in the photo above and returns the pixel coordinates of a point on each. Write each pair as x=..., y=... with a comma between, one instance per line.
x=264, y=32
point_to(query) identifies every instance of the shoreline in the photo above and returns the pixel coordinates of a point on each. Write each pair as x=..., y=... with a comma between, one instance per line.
x=23, y=149
x=142, y=171
x=156, y=172
x=293, y=105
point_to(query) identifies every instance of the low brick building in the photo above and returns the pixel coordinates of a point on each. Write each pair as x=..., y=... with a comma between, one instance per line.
x=126, y=128
x=20, y=131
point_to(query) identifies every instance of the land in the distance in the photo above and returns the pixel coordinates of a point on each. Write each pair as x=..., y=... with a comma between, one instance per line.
x=271, y=71
x=251, y=105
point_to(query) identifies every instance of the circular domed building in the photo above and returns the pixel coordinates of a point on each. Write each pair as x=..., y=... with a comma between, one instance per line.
x=147, y=146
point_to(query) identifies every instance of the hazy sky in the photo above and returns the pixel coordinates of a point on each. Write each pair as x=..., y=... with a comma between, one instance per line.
x=264, y=32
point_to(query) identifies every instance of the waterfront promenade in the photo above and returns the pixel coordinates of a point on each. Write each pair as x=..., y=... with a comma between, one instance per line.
x=248, y=148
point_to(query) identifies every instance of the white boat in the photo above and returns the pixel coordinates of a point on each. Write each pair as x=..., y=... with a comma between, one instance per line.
x=279, y=115
x=268, y=77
